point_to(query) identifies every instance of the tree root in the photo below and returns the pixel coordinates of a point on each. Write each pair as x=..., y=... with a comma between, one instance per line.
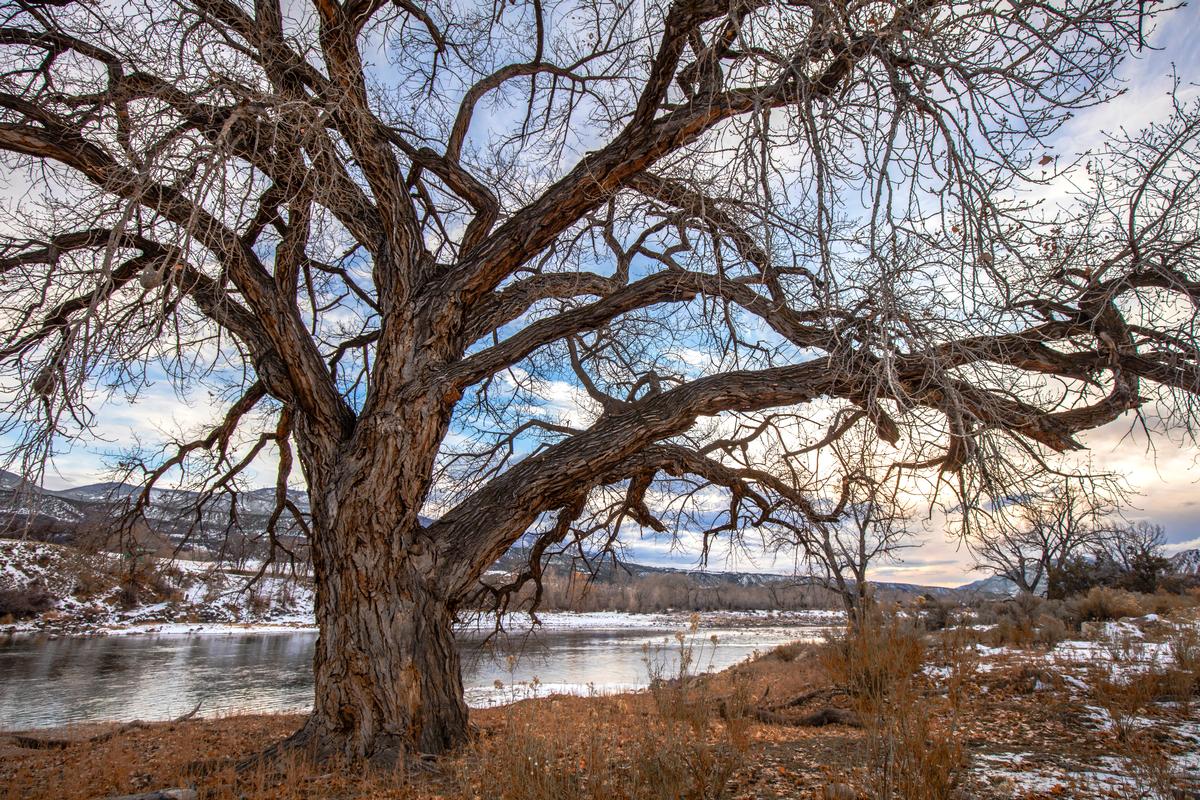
x=41, y=743
x=817, y=719
x=312, y=746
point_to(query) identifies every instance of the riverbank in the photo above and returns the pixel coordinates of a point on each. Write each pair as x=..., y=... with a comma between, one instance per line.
x=53, y=680
x=512, y=624
x=1082, y=718
x=61, y=591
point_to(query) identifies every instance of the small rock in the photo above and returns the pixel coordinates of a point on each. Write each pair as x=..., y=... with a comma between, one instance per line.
x=838, y=791
x=161, y=794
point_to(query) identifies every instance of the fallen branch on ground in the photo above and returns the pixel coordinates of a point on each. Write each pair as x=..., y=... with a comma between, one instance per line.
x=818, y=719
x=40, y=743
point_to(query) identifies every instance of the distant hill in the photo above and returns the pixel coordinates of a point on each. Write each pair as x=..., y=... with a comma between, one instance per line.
x=59, y=516
x=604, y=571
x=996, y=585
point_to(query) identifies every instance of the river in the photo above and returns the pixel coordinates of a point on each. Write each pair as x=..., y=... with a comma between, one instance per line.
x=47, y=681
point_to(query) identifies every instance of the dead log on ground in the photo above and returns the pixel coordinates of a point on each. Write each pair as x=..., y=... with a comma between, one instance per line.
x=817, y=719
x=40, y=743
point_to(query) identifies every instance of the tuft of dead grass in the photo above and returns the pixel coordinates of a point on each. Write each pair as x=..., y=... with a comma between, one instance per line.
x=908, y=754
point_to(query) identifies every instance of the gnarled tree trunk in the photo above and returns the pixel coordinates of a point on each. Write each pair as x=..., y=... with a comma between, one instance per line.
x=387, y=673
x=386, y=669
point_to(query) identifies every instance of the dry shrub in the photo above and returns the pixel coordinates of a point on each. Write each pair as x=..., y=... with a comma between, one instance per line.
x=258, y=600
x=911, y=760
x=525, y=761
x=907, y=755
x=91, y=575
x=787, y=653
x=90, y=582
x=680, y=741
x=1102, y=604
x=1165, y=603
x=1012, y=633
x=146, y=580
x=1050, y=630
x=1182, y=681
x=1155, y=776
x=1183, y=643
x=1127, y=696
x=873, y=660
x=936, y=613
x=22, y=602
x=679, y=690
x=1025, y=620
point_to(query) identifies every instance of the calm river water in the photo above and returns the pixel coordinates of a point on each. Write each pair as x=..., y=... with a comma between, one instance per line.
x=55, y=681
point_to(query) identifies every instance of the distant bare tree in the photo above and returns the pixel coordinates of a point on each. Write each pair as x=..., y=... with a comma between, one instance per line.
x=1126, y=545
x=1136, y=552
x=566, y=270
x=1037, y=536
x=872, y=528
x=869, y=534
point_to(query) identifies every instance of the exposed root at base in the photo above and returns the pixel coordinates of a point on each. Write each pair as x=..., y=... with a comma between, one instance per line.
x=388, y=754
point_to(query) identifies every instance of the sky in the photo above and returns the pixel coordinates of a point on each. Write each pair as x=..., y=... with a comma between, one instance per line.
x=1164, y=477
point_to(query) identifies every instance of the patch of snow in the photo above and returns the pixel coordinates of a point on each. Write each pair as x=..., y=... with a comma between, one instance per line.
x=503, y=694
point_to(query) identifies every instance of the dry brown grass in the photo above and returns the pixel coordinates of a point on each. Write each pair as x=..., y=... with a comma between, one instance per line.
x=1102, y=604
x=908, y=754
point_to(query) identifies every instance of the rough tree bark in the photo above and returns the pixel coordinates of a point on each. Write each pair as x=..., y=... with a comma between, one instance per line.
x=386, y=670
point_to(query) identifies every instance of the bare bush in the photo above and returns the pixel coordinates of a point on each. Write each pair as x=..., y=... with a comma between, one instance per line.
x=22, y=602
x=908, y=755
x=1103, y=604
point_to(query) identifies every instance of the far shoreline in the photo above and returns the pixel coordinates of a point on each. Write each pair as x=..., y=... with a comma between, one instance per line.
x=515, y=623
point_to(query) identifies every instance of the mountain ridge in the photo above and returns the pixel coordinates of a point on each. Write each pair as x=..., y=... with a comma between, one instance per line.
x=55, y=513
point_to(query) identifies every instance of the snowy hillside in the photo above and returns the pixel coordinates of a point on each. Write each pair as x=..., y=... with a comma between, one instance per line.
x=29, y=511
x=1186, y=562
x=101, y=590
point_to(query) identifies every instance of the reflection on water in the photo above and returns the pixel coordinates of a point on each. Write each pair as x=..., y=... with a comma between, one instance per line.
x=46, y=682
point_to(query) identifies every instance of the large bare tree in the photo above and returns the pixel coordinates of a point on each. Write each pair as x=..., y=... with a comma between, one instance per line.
x=568, y=269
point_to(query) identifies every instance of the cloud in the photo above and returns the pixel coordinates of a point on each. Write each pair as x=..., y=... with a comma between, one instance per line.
x=1187, y=544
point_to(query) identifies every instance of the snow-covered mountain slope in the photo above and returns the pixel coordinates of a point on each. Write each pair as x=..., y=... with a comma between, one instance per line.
x=993, y=585
x=1186, y=562
x=29, y=511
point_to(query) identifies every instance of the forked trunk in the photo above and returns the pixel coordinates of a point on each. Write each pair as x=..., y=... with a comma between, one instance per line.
x=387, y=673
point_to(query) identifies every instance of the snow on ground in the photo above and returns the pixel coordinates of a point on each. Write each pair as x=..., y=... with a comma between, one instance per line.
x=180, y=594
x=503, y=694
x=1119, y=653
x=675, y=620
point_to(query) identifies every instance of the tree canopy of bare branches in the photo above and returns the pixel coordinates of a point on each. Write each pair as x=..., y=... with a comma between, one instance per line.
x=567, y=269
x=1036, y=536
